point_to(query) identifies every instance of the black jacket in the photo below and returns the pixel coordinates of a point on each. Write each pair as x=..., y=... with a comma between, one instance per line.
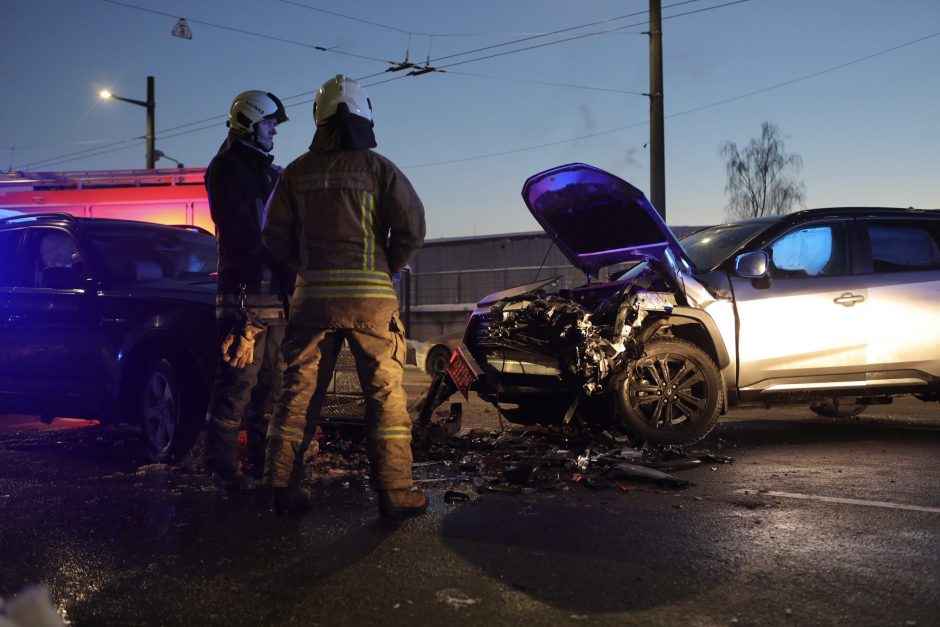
x=239, y=181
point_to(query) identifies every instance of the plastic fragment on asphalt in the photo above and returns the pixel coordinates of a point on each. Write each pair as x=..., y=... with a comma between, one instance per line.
x=149, y=468
x=630, y=454
x=455, y=598
x=521, y=474
x=454, y=496
x=632, y=471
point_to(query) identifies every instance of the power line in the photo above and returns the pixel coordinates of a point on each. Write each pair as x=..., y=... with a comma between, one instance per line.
x=247, y=32
x=161, y=135
x=582, y=36
x=59, y=159
x=807, y=76
x=406, y=31
x=558, y=32
x=107, y=148
x=104, y=151
x=687, y=111
x=354, y=19
x=65, y=158
x=117, y=144
x=533, y=82
x=527, y=148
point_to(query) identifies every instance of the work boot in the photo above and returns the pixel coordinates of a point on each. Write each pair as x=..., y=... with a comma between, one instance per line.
x=402, y=503
x=233, y=481
x=291, y=501
x=255, y=467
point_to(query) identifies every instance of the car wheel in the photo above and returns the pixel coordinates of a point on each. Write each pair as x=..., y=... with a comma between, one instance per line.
x=836, y=407
x=164, y=409
x=670, y=395
x=437, y=359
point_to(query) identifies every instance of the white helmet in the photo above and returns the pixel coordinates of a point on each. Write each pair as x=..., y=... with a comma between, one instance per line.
x=341, y=90
x=251, y=107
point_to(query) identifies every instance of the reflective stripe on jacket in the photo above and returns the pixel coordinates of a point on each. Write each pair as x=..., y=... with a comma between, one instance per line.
x=346, y=220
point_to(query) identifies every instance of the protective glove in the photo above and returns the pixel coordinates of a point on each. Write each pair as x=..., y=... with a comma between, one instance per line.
x=238, y=347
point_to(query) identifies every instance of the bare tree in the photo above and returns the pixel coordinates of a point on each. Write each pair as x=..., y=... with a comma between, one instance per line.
x=762, y=179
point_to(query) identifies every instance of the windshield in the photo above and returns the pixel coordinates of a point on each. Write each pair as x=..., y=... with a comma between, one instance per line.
x=709, y=247
x=137, y=252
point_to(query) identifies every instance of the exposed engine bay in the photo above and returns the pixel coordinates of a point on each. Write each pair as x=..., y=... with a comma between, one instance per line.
x=582, y=336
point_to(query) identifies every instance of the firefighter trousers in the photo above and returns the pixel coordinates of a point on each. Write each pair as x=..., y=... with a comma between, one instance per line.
x=244, y=395
x=310, y=355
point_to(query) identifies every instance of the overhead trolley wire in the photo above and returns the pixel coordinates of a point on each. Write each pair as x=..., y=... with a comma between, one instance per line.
x=574, y=38
x=247, y=32
x=687, y=111
x=115, y=146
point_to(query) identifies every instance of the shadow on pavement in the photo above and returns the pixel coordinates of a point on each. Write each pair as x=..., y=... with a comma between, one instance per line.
x=602, y=563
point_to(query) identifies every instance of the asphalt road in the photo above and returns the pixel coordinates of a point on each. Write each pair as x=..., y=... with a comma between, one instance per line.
x=817, y=522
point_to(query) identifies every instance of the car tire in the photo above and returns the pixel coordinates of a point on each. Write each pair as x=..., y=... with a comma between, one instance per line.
x=837, y=407
x=437, y=359
x=164, y=408
x=670, y=395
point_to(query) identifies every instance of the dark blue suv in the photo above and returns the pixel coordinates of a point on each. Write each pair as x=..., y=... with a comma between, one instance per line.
x=108, y=319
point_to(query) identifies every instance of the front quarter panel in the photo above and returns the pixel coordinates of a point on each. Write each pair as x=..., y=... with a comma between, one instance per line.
x=142, y=327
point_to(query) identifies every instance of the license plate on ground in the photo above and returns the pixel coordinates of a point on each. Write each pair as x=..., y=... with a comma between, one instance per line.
x=463, y=369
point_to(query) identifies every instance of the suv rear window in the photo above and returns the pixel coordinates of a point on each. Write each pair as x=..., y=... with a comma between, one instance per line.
x=904, y=246
x=147, y=253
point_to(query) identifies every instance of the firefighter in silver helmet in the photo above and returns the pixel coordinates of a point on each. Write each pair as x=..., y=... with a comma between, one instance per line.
x=346, y=219
x=252, y=292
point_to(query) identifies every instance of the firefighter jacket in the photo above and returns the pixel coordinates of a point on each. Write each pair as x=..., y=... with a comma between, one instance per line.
x=239, y=181
x=345, y=219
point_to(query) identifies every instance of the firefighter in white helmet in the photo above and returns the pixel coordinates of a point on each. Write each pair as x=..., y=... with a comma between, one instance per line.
x=347, y=220
x=252, y=292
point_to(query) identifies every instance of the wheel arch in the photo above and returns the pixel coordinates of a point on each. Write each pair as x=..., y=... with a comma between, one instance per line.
x=196, y=380
x=697, y=327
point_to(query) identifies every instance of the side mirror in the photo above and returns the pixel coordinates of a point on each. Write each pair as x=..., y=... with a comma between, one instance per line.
x=752, y=265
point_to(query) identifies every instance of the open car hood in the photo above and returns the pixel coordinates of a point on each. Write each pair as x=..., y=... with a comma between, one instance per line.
x=597, y=219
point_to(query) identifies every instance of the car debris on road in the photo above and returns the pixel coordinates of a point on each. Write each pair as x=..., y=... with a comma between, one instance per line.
x=512, y=460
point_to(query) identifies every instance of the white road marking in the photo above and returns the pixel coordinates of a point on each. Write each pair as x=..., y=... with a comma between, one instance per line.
x=836, y=499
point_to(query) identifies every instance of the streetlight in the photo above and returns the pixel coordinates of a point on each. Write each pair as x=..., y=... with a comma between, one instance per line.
x=159, y=154
x=150, y=105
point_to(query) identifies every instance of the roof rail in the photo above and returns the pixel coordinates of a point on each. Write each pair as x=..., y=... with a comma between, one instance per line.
x=193, y=227
x=68, y=217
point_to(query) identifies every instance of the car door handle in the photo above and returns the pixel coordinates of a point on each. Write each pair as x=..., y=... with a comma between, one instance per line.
x=848, y=299
x=15, y=319
x=110, y=321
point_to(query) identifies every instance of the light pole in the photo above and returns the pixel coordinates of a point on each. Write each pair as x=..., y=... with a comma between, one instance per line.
x=150, y=104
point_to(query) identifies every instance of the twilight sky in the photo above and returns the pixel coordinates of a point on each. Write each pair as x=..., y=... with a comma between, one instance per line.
x=854, y=86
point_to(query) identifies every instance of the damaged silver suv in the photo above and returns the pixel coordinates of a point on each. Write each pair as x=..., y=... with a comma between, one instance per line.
x=838, y=306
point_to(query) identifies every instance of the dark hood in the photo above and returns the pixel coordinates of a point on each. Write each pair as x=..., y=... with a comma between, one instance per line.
x=597, y=219
x=343, y=131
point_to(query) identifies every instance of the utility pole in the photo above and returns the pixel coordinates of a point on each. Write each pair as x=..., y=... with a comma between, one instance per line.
x=657, y=132
x=151, y=105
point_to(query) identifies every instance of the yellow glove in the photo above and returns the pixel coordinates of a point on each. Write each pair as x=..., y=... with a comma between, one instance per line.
x=238, y=347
